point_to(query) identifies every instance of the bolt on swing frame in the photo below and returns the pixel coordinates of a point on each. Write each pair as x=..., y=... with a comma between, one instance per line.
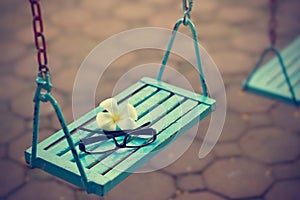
x=200, y=107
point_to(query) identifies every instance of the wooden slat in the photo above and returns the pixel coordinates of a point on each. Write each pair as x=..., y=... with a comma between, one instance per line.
x=152, y=115
x=62, y=147
x=121, y=154
x=146, y=153
x=179, y=91
x=181, y=110
x=141, y=109
x=58, y=135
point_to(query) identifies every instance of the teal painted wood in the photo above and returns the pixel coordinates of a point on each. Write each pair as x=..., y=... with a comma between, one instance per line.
x=172, y=111
x=62, y=145
x=113, y=159
x=141, y=109
x=270, y=81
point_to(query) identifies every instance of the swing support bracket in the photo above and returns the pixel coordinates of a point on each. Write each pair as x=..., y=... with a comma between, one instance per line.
x=43, y=94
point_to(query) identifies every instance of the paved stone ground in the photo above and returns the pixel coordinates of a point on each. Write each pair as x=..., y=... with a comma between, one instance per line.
x=258, y=154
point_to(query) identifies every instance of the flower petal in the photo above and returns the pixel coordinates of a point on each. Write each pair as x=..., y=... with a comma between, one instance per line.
x=110, y=105
x=127, y=123
x=105, y=122
x=128, y=111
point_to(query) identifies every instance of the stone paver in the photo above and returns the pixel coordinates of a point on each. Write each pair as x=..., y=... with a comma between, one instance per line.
x=96, y=9
x=16, y=86
x=24, y=107
x=227, y=150
x=169, y=17
x=199, y=195
x=135, y=11
x=76, y=45
x=285, y=190
x=43, y=190
x=10, y=181
x=11, y=51
x=95, y=28
x=230, y=13
x=210, y=31
x=22, y=142
x=25, y=35
x=159, y=186
x=233, y=128
x=233, y=62
x=251, y=103
x=203, y=9
x=266, y=144
x=283, y=112
x=257, y=119
x=11, y=127
x=285, y=171
x=3, y=151
x=75, y=17
x=191, y=182
x=68, y=73
x=257, y=155
x=190, y=162
x=244, y=42
x=28, y=62
x=37, y=175
x=237, y=178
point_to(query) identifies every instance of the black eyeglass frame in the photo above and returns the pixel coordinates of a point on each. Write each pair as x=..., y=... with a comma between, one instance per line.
x=140, y=131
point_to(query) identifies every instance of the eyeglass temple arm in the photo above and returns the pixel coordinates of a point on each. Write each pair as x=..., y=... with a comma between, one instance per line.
x=91, y=140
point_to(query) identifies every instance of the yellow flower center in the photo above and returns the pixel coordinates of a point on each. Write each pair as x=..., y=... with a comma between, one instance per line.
x=115, y=118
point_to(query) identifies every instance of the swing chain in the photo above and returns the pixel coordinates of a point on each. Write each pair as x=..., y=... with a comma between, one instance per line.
x=187, y=6
x=273, y=22
x=39, y=37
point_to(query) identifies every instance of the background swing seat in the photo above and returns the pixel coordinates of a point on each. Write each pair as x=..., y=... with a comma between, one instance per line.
x=269, y=81
x=172, y=111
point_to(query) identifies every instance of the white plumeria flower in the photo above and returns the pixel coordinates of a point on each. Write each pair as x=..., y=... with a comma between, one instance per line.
x=123, y=117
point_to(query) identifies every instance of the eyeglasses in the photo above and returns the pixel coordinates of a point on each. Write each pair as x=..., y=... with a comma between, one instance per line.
x=108, y=141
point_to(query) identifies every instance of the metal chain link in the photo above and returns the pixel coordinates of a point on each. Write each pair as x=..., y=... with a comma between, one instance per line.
x=273, y=22
x=39, y=37
x=187, y=6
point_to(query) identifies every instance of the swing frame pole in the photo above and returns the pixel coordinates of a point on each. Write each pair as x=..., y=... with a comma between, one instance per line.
x=43, y=94
x=187, y=7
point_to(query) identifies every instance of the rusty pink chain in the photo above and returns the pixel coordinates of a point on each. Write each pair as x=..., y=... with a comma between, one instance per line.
x=39, y=37
x=273, y=22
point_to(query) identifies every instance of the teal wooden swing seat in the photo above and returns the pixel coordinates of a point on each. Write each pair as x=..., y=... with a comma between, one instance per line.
x=59, y=154
x=279, y=78
x=183, y=109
